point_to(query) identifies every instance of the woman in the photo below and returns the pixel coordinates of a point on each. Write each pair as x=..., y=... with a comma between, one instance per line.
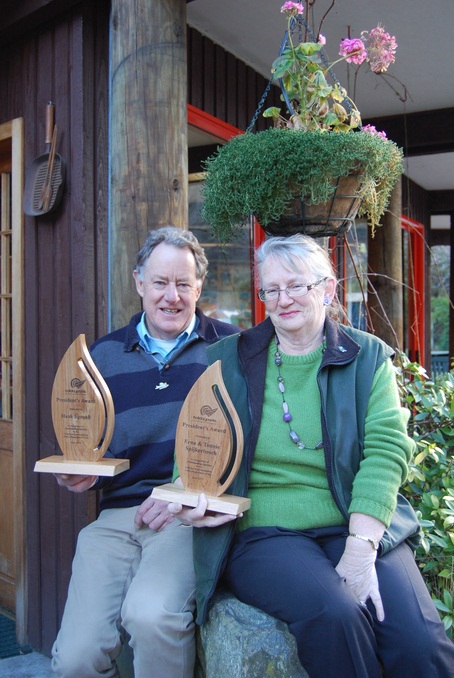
x=325, y=546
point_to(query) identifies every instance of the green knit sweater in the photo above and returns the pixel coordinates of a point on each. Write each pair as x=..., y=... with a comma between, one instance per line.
x=288, y=486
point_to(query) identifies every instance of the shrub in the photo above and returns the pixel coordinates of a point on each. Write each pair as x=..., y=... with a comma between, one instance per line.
x=430, y=485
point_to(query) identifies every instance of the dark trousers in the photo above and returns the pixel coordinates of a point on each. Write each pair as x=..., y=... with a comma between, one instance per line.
x=291, y=576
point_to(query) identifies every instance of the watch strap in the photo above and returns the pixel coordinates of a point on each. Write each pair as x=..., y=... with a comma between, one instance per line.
x=373, y=542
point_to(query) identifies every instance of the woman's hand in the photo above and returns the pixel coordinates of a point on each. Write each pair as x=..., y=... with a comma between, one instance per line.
x=75, y=483
x=198, y=516
x=357, y=565
x=357, y=568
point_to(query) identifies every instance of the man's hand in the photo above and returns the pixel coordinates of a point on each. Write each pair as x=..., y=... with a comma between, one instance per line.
x=154, y=513
x=75, y=483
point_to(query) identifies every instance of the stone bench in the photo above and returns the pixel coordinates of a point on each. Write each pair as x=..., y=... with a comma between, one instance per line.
x=239, y=640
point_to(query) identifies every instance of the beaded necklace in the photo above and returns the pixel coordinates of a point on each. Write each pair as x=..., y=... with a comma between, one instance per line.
x=287, y=417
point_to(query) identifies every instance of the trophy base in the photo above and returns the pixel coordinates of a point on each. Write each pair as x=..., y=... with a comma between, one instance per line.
x=226, y=503
x=103, y=467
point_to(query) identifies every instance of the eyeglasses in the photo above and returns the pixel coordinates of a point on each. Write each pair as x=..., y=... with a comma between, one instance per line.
x=292, y=291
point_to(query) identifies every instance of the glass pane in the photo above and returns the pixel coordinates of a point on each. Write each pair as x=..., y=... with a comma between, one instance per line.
x=226, y=293
x=356, y=276
x=407, y=292
x=440, y=285
x=6, y=375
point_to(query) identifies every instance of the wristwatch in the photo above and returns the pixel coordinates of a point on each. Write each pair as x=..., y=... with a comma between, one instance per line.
x=373, y=542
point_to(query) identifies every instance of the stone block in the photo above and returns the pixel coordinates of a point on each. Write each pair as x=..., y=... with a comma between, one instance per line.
x=240, y=641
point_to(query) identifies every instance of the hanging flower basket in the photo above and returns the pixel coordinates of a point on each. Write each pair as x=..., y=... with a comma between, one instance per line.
x=318, y=167
x=314, y=180
x=333, y=217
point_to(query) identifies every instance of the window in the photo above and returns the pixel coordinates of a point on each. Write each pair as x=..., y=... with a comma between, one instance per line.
x=226, y=293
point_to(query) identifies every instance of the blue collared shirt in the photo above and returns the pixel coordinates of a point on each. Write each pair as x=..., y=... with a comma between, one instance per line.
x=163, y=349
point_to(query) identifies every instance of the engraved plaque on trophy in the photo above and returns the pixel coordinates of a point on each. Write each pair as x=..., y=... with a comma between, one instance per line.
x=208, y=447
x=83, y=416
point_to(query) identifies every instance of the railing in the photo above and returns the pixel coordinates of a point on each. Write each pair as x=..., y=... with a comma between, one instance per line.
x=440, y=362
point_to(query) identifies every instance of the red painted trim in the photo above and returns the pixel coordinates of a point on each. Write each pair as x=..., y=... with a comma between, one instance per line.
x=208, y=123
x=416, y=279
x=258, y=307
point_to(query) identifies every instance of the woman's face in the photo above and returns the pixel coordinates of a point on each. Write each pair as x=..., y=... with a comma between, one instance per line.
x=300, y=316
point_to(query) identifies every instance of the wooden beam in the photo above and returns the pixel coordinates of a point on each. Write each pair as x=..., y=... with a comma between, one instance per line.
x=421, y=133
x=441, y=202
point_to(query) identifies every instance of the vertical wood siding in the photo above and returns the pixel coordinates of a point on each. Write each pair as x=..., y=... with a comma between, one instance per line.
x=220, y=84
x=64, y=60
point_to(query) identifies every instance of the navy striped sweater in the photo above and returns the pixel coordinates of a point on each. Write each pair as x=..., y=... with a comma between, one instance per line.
x=147, y=400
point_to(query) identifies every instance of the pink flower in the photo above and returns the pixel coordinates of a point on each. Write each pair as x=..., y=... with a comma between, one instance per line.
x=381, y=47
x=292, y=8
x=321, y=39
x=370, y=129
x=354, y=50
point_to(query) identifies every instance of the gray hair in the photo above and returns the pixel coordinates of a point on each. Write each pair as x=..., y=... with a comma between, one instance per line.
x=293, y=251
x=172, y=235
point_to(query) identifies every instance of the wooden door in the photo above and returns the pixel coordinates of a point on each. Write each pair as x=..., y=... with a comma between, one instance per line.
x=12, y=510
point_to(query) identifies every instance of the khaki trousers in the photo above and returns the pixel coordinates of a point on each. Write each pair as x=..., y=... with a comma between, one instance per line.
x=133, y=580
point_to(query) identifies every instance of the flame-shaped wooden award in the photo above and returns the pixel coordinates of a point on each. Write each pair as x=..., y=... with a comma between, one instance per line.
x=83, y=416
x=208, y=447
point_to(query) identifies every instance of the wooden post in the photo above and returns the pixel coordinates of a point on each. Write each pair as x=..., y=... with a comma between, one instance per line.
x=148, y=135
x=385, y=291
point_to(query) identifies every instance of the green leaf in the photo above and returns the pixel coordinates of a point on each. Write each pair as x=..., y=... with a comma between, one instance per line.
x=308, y=48
x=447, y=598
x=438, y=541
x=441, y=606
x=272, y=112
x=281, y=66
x=331, y=119
x=419, y=458
x=435, y=501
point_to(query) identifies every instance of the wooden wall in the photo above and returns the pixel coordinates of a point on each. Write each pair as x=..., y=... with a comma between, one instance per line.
x=220, y=84
x=63, y=59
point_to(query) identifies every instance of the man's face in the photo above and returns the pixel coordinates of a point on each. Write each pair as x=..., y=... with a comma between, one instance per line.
x=169, y=289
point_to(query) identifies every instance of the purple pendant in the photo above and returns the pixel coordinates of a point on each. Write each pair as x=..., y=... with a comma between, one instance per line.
x=287, y=417
x=295, y=437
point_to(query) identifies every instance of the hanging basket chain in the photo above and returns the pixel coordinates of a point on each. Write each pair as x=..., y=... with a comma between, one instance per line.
x=260, y=105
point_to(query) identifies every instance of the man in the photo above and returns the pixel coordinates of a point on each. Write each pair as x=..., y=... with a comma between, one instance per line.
x=133, y=566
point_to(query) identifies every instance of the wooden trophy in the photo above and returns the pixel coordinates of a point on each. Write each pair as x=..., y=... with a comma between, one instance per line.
x=208, y=447
x=83, y=416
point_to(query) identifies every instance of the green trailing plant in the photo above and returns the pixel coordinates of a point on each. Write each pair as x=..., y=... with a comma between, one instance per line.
x=430, y=485
x=261, y=173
